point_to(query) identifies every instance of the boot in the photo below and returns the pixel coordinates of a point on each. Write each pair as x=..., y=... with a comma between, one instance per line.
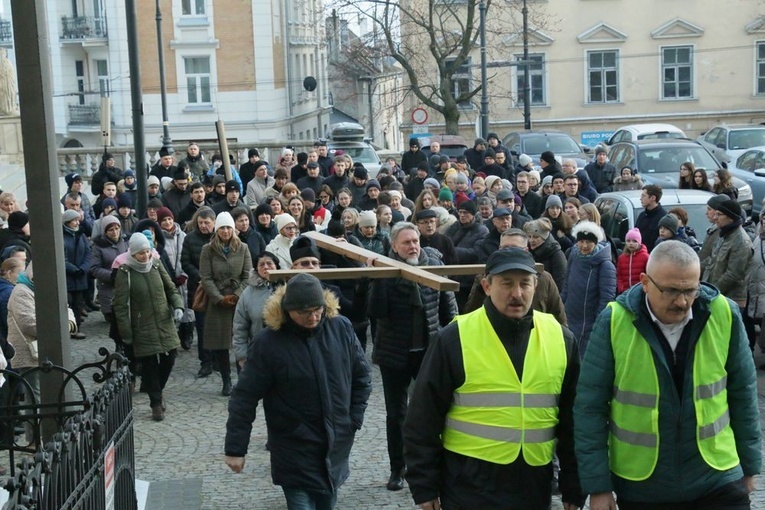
x=226, y=386
x=396, y=480
x=186, y=333
x=157, y=414
x=205, y=370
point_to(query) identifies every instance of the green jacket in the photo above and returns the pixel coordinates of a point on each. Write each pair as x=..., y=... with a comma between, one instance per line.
x=151, y=298
x=681, y=474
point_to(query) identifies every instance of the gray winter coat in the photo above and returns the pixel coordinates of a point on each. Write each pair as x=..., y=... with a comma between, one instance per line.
x=728, y=264
x=248, y=316
x=104, y=253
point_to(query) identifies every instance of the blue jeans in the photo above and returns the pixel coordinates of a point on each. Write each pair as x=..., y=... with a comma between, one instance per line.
x=299, y=499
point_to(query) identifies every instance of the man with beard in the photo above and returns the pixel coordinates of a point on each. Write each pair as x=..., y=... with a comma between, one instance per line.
x=409, y=317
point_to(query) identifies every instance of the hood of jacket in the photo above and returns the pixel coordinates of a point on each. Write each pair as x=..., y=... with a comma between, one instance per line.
x=274, y=316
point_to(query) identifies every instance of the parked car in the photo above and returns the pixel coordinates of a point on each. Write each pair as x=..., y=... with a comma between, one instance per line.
x=654, y=131
x=358, y=151
x=451, y=145
x=619, y=210
x=658, y=162
x=534, y=143
x=750, y=167
x=728, y=142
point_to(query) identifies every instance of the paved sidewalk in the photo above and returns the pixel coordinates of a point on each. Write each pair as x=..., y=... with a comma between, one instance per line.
x=182, y=457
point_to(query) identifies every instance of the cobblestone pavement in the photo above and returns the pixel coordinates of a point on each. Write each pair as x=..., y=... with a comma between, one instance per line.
x=182, y=456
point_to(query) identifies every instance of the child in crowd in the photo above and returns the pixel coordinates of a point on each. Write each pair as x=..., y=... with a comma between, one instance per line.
x=632, y=262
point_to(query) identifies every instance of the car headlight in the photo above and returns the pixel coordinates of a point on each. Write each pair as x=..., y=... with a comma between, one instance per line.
x=745, y=192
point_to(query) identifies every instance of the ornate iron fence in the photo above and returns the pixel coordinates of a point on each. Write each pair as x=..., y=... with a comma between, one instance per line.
x=89, y=463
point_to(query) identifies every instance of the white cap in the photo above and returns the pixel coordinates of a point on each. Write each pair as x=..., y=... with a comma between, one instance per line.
x=224, y=219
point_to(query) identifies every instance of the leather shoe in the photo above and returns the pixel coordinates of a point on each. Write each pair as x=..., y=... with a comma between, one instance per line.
x=396, y=480
x=157, y=414
x=204, y=371
x=226, y=389
x=78, y=336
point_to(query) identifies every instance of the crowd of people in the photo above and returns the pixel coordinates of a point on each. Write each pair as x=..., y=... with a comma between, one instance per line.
x=495, y=365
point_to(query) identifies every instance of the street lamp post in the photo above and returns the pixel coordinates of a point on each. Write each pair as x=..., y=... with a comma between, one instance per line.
x=167, y=142
x=526, y=70
x=484, y=91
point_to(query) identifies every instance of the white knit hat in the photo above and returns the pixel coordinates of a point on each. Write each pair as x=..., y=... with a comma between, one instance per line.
x=282, y=220
x=367, y=219
x=224, y=219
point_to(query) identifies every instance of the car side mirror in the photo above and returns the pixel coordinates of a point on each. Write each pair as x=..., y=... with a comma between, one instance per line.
x=585, y=148
x=720, y=146
x=724, y=164
x=760, y=172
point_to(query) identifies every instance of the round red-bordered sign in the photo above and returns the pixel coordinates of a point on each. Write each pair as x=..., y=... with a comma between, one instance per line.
x=419, y=116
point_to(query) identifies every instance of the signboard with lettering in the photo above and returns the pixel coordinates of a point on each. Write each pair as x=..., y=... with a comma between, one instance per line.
x=594, y=138
x=420, y=129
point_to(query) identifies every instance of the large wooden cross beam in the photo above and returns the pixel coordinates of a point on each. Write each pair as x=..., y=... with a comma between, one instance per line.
x=384, y=267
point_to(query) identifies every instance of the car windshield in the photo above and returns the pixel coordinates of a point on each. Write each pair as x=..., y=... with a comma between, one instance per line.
x=361, y=154
x=659, y=135
x=746, y=138
x=669, y=159
x=557, y=144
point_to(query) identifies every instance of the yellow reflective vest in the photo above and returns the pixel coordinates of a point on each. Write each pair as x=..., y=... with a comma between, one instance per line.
x=634, y=423
x=494, y=415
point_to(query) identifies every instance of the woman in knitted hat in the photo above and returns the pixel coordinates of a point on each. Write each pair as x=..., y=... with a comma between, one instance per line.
x=280, y=245
x=370, y=237
x=561, y=223
x=173, y=241
x=632, y=262
x=147, y=307
x=590, y=281
x=106, y=248
x=396, y=205
x=224, y=267
x=627, y=180
x=493, y=185
x=546, y=249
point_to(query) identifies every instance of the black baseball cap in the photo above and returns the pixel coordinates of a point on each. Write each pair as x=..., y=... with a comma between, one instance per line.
x=510, y=259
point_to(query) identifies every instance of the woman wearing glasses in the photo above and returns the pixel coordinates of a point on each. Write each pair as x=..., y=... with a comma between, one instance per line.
x=280, y=245
x=224, y=268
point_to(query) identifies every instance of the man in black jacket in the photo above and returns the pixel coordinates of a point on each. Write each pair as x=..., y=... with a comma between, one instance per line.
x=601, y=172
x=409, y=316
x=469, y=442
x=314, y=380
x=648, y=220
x=412, y=159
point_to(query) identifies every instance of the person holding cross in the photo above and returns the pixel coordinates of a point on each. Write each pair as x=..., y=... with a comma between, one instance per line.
x=409, y=317
x=495, y=391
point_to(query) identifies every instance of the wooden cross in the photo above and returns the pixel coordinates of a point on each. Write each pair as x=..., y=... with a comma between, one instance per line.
x=384, y=267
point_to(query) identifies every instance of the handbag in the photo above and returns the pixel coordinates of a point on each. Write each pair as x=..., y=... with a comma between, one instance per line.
x=32, y=345
x=199, y=303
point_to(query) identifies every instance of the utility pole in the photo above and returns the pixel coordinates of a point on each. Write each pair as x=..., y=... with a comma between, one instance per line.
x=167, y=142
x=526, y=70
x=136, y=98
x=484, y=91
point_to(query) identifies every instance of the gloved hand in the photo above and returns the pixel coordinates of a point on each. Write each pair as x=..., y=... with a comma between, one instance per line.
x=180, y=280
x=229, y=300
x=178, y=315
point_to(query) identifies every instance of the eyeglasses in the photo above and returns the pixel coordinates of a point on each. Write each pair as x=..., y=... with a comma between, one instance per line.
x=310, y=312
x=673, y=294
x=290, y=227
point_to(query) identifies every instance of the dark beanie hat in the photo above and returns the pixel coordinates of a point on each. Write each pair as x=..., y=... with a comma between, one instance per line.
x=308, y=194
x=372, y=183
x=360, y=172
x=109, y=202
x=414, y=142
x=232, y=185
x=154, y=203
x=669, y=222
x=124, y=200
x=264, y=209
x=180, y=175
x=70, y=178
x=548, y=157
x=423, y=166
x=716, y=200
x=302, y=158
x=730, y=208
x=490, y=154
x=304, y=247
x=166, y=151
x=164, y=212
x=302, y=293
x=17, y=220
x=468, y=206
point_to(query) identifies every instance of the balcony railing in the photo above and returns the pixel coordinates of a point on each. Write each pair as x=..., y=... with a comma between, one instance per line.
x=85, y=114
x=83, y=27
x=6, y=34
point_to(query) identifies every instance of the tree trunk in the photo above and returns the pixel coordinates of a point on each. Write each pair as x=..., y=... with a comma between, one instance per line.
x=451, y=114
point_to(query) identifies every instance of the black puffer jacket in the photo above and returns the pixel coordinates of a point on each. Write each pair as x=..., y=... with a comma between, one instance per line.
x=466, y=237
x=314, y=385
x=552, y=257
x=487, y=246
x=395, y=306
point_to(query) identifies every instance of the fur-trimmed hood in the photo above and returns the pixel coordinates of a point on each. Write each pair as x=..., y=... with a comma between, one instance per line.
x=274, y=316
x=589, y=227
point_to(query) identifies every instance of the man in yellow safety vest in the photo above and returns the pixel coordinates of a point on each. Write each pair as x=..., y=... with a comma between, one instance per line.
x=666, y=412
x=491, y=398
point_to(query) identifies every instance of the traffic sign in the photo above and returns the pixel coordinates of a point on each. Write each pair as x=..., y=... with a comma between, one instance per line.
x=419, y=116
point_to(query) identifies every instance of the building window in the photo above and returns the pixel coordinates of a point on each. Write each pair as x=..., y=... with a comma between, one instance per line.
x=103, y=77
x=198, y=79
x=536, y=79
x=192, y=7
x=761, y=68
x=79, y=69
x=677, y=72
x=603, y=76
x=461, y=81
